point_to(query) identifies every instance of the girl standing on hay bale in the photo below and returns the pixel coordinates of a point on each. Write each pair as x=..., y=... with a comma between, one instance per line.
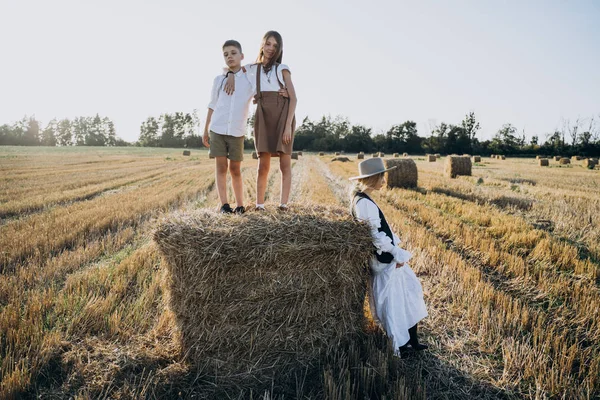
x=274, y=120
x=395, y=290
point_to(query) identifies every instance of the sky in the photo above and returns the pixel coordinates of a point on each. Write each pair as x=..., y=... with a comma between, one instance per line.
x=534, y=64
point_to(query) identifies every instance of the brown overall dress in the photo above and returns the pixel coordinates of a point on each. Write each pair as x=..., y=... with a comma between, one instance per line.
x=269, y=120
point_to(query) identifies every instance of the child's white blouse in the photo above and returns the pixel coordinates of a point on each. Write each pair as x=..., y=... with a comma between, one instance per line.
x=268, y=82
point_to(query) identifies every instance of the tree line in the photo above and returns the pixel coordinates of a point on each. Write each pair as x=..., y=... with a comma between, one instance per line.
x=580, y=137
x=81, y=131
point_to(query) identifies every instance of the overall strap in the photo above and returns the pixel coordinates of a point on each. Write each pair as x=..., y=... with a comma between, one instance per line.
x=258, y=67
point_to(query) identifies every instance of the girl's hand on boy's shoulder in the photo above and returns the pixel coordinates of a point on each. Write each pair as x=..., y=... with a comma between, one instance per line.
x=229, y=84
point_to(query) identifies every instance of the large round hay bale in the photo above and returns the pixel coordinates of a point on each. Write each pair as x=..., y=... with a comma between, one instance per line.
x=321, y=154
x=564, y=161
x=405, y=174
x=457, y=165
x=431, y=158
x=360, y=156
x=294, y=156
x=476, y=159
x=337, y=153
x=589, y=163
x=254, y=155
x=503, y=157
x=396, y=155
x=375, y=155
x=404, y=154
x=493, y=156
x=340, y=158
x=557, y=158
x=252, y=302
x=381, y=154
x=543, y=162
x=186, y=153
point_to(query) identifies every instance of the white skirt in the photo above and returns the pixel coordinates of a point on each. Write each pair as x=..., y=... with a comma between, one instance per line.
x=398, y=299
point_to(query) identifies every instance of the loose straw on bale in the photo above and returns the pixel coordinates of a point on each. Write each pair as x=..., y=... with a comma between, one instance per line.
x=457, y=165
x=431, y=158
x=405, y=174
x=476, y=159
x=564, y=161
x=186, y=153
x=259, y=298
x=543, y=162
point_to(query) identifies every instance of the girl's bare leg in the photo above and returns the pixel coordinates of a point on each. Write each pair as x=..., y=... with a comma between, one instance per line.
x=285, y=166
x=264, y=164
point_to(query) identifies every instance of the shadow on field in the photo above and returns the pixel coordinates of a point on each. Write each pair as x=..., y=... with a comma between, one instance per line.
x=362, y=369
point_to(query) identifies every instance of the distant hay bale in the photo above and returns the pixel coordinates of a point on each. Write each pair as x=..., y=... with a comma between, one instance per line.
x=437, y=155
x=340, y=158
x=186, y=153
x=431, y=158
x=557, y=158
x=381, y=154
x=405, y=174
x=538, y=157
x=374, y=154
x=360, y=156
x=259, y=298
x=254, y=155
x=457, y=165
x=404, y=154
x=300, y=153
x=294, y=156
x=543, y=162
x=396, y=155
x=321, y=154
x=337, y=153
x=576, y=158
x=493, y=156
x=564, y=161
x=476, y=159
x=467, y=155
x=589, y=163
x=503, y=157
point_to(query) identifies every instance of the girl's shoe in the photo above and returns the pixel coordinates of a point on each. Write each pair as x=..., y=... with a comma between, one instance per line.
x=414, y=340
x=226, y=209
x=240, y=210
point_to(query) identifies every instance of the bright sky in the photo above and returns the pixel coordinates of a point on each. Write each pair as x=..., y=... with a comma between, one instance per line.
x=531, y=63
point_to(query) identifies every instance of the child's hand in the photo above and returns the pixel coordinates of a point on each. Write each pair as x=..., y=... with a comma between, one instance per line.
x=284, y=92
x=205, y=140
x=255, y=99
x=230, y=84
x=287, y=135
x=399, y=265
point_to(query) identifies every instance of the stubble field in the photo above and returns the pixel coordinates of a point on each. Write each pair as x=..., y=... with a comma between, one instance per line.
x=509, y=259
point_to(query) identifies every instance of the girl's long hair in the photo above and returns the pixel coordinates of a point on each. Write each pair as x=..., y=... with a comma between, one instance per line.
x=278, y=57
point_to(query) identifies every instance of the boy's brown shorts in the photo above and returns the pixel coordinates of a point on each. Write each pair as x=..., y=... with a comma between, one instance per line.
x=228, y=146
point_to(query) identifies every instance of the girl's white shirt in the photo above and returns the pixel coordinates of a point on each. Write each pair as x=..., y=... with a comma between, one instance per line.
x=268, y=82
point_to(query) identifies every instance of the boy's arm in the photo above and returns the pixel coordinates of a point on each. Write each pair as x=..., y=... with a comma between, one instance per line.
x=205, y=140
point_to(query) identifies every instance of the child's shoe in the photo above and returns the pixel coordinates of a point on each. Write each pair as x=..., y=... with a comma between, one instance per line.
x=239, y=210
x=226, y=209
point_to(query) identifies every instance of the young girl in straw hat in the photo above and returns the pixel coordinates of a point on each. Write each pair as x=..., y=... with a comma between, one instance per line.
x=396, y=293
x=274, y=120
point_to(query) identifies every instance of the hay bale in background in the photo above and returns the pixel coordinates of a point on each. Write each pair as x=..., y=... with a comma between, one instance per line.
x=503, y=157
x=294, y=156
x=321, y=154
x=437, y=155
x=576, y=158
x=299, y=153
x=254, y=155
x=396, y=155
x=374, y=154
x=564, y=161
x=543, y=162
x=340, y=158
x=404, y=154
x=457, y=165
x=255, y=298
x=589, y=163
x=476, y=159
x=431, y=158
x=557, y=158
x=381, y=154
x=186, y=153
x=405, y=174
x=538, y=157
x=337, y=153
x=360, y=156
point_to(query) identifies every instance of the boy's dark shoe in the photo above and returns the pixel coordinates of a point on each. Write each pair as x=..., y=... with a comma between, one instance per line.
x=226, y=209
x=240, y=210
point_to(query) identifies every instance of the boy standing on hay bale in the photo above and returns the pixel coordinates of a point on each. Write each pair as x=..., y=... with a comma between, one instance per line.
x=395, y=290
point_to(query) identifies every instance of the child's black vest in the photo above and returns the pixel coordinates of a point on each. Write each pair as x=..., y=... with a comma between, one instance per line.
x=383, y=257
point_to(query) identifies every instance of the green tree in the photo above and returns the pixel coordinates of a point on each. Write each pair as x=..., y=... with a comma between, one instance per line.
x=49, y=134
x=64, y=136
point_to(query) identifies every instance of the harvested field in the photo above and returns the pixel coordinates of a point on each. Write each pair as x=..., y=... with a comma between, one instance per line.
x=508, y=257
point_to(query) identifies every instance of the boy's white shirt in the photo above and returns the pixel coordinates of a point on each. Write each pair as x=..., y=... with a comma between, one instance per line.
x=230, y=112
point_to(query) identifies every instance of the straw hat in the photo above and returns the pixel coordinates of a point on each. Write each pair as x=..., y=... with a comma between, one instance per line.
x=370, y=167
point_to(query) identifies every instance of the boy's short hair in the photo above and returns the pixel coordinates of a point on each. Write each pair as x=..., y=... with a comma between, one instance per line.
x=234, y=43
